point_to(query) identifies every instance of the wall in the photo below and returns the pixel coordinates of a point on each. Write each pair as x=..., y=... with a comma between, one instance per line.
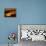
x=28, y=12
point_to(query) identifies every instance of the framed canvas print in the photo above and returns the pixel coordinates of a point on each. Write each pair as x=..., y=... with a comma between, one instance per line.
x=32, y=32
x=10, y=12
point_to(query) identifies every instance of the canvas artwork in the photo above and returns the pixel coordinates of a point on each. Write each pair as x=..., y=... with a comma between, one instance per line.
x=33, y=32
x=10, y=12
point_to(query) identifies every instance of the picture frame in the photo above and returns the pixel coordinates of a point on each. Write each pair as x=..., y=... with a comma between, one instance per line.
x=10, y=12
